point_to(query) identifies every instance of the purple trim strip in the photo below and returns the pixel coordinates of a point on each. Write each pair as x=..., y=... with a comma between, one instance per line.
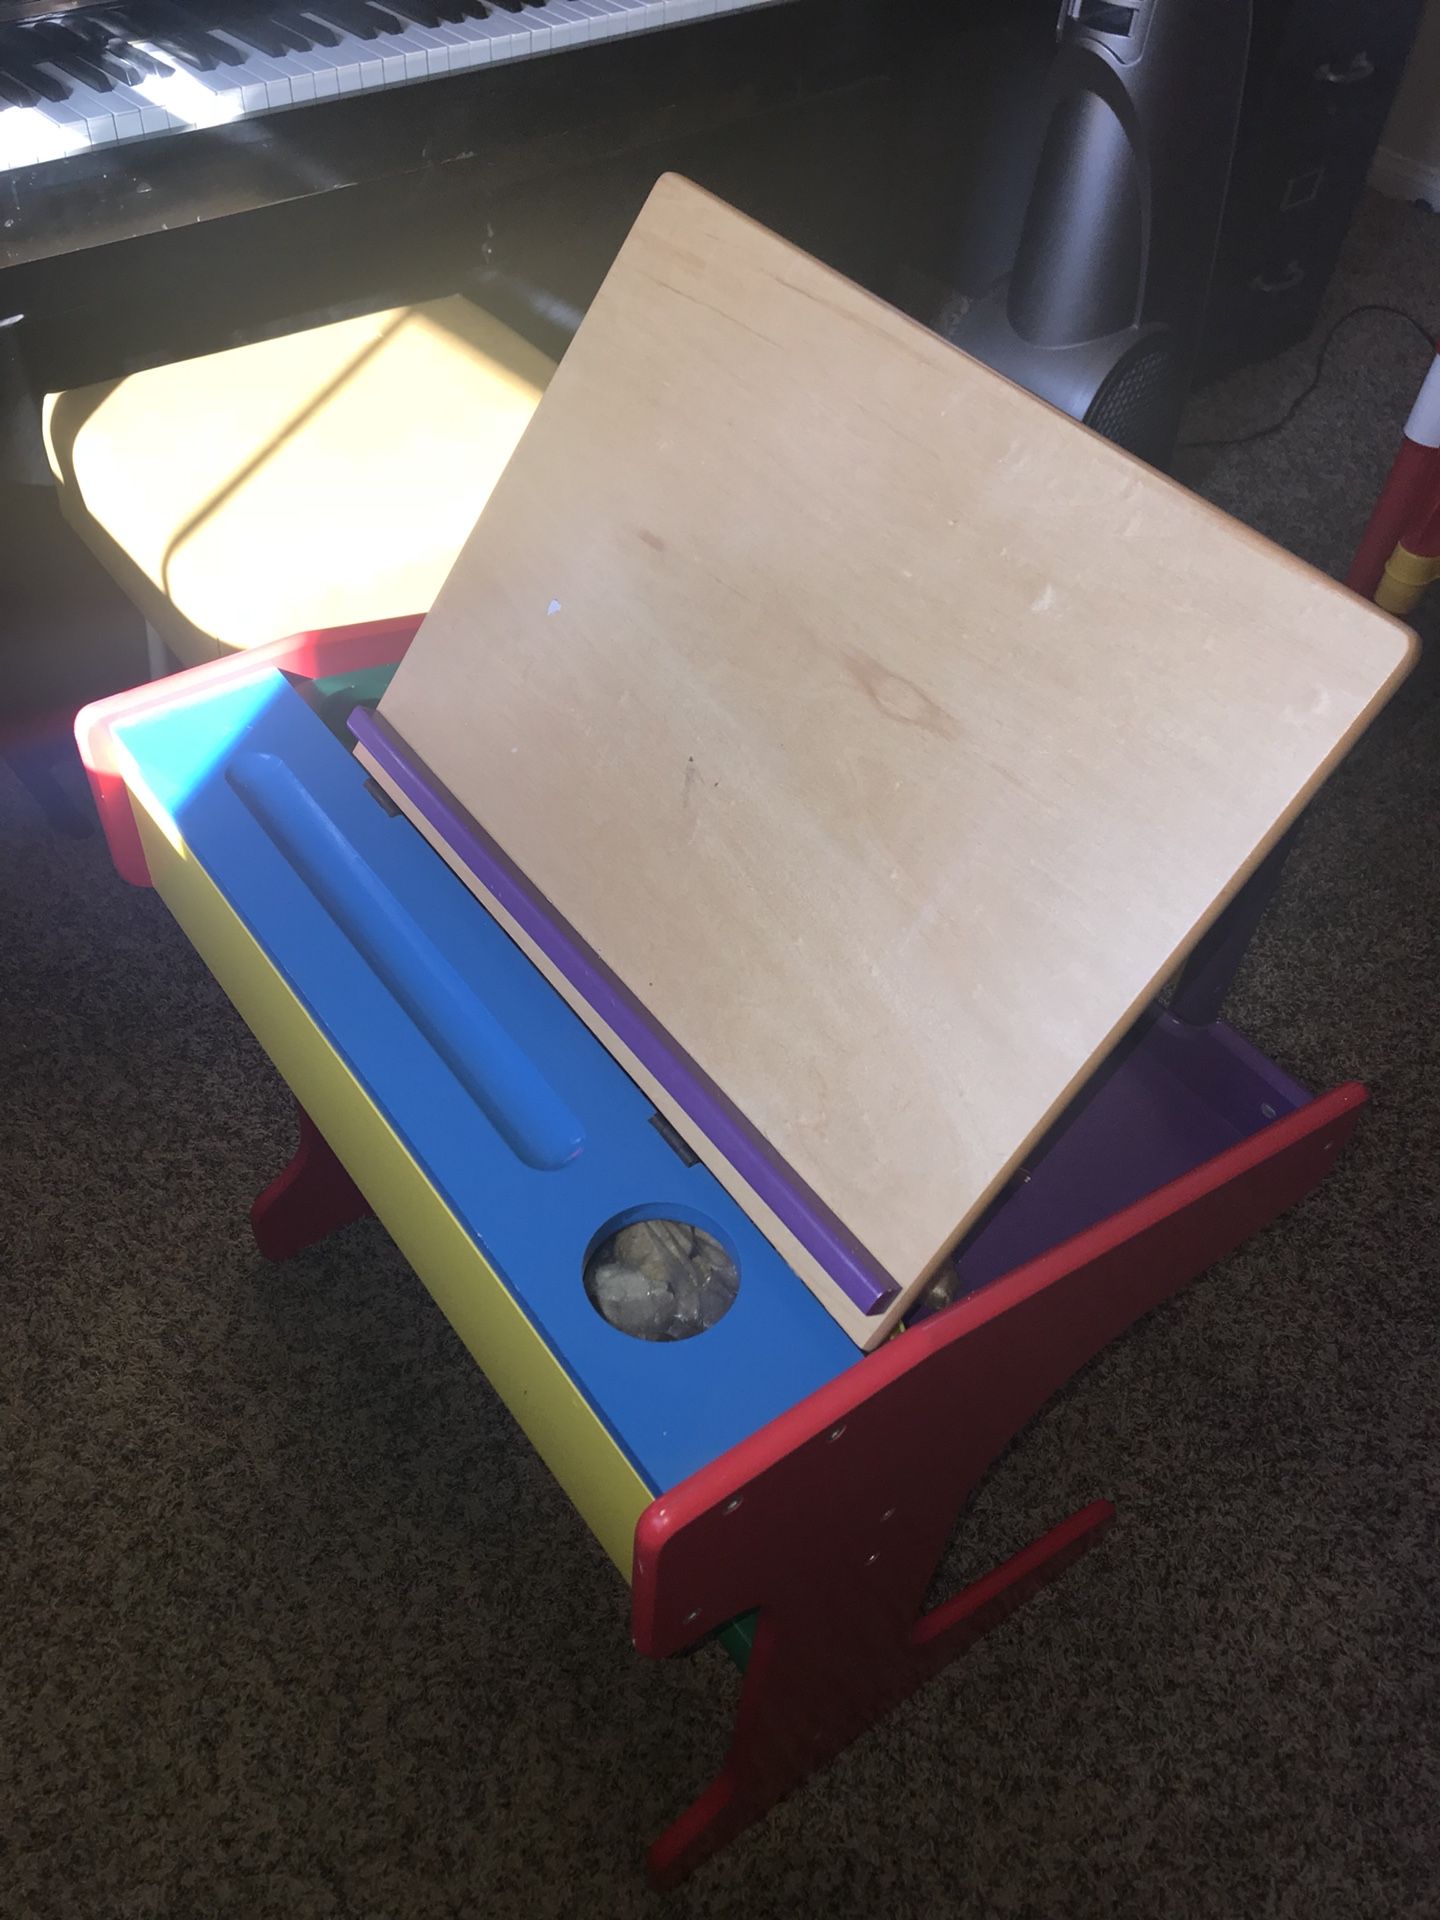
x=849, y=1265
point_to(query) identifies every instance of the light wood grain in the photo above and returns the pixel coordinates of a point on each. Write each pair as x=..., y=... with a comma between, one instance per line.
x=313, y=480
x=887, y=733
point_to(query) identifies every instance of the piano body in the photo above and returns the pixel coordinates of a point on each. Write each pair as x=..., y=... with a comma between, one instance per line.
x=174, y=178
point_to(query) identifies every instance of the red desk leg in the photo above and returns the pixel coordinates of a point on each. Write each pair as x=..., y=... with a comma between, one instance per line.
x=832, y=1519
x=311, y=1198
x=1409, y=487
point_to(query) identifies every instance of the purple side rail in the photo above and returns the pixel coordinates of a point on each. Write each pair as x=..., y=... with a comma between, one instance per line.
x=1174, y=1092
x=854, y=1270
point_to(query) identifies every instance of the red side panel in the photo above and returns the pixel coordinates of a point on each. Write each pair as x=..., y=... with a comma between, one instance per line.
x=832, y=1519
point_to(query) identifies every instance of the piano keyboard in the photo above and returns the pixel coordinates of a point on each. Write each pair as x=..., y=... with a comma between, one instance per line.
x=133, y=70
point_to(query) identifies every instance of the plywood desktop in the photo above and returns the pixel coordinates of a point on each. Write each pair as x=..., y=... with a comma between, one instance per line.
x=883, y=735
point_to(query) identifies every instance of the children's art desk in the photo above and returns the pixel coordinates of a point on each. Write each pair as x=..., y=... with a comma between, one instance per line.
x=789, y=1477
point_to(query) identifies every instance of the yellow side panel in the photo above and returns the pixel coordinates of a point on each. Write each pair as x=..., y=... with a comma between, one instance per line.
x=561, y=1425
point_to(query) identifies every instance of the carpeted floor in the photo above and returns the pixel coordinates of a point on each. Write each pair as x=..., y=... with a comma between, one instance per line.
x=291, y=1625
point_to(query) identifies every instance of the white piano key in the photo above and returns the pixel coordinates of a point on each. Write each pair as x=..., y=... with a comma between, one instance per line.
x=326, y=59
x=131, y=101
x=387, y=69
x=435, y=47
x=323, y=72
x=602, y=19
x=190, y=99
x=474, y=49
x=129, y=111
x=290, y=67
x=262, y=86
x=89, y=106
x=277, y=82
x=28, y=137
x=20, y=134
x=595, y=25
x=390, y=51
x=410, y=50
x=353, y=64
x=536, y=29
x=50, y=130
x=460, y=54
x=615, y=14
x=497, y=38
x=347, y=75
x=234, y=82
x=297, y=66
x=612, y=18
x=569, y=25
x=370, y=60
x=648, y=17
x=587, y=25
x=56, y=126
x=494, y=37
x=328, y=62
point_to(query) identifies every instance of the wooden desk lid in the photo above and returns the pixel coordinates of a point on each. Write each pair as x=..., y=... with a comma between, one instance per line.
x=887, y=735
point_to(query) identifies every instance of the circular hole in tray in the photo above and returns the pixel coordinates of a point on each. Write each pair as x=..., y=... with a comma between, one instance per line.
x=660, y=1279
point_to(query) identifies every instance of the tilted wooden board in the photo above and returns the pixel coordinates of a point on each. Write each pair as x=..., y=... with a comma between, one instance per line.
x=886, y=733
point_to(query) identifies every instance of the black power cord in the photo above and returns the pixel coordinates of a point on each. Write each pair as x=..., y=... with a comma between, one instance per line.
x=1263, y=433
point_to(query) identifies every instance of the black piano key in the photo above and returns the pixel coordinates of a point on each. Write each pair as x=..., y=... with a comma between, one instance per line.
x=254, y=30
x=112, y=60
x=59, y=34
x=81, y=70
x=386, y=21
x=57, y=48
x=178, y=34
x=15, y=93
x=360, y=17
x=187, y=53
x=125, y=71
x=347, y=19
x=314, y=32
x=116, y=44
x=422, y=12
x=34, y=78
x=296, y=39
x=79, y=36
x=188, y=50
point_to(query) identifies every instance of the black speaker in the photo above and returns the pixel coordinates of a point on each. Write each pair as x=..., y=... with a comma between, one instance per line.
x=1101, y=310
